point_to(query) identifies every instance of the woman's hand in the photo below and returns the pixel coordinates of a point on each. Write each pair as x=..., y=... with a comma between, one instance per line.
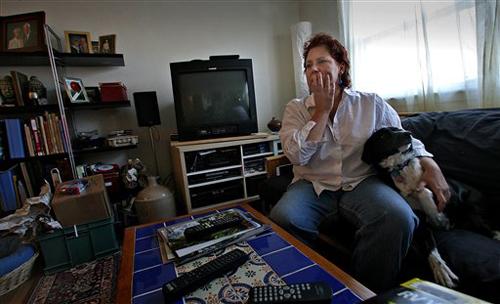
x=323, y=89
x=434, y=179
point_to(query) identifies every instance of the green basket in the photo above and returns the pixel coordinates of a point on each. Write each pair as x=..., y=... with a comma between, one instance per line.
x=79, y=244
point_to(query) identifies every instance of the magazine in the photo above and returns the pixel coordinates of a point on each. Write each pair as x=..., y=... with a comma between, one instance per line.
x=421, y=291
x=173, y=236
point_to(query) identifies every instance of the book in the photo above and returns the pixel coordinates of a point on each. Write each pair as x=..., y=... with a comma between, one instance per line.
x=15, y=139
x=8, y=193
x=20, y=83
x=3, y=142
x=421, y=291
x=27, y=179
x=173, y=236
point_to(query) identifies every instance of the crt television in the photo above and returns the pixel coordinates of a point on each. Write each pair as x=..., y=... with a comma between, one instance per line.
x=214, y=98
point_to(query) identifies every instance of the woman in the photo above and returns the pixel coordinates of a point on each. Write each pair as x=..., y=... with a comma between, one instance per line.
x=17, y=41
x=323, y=136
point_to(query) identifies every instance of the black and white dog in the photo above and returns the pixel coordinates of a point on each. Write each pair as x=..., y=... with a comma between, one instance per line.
x=390, y=149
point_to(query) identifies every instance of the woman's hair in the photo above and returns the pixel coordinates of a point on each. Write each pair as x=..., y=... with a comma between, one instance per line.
x=336, y=50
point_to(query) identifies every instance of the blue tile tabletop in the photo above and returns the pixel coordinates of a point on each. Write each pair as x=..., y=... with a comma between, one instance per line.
x=267, y=243
x=147, y=259
x=294, y=261
x=153, y=278
x=146, y=244
x=147, y=231
x=314, y=274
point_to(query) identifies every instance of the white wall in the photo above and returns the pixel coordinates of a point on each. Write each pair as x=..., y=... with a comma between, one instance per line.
x=151, y=34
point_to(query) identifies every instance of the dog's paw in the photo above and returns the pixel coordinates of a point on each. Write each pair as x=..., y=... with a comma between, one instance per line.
x=442, y=273
x=439, y=221
x=496, y=235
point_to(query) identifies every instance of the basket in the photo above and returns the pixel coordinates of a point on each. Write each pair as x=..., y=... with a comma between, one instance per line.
x=16, y=277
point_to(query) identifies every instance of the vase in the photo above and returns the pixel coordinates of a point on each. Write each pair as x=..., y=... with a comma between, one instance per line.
x=155, y=202
x=274, y=124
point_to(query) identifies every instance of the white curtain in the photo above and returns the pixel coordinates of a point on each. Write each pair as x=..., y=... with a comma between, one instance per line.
x=425, y=55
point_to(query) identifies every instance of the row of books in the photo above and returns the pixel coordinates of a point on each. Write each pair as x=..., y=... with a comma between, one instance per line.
x=17, y=185
x=38, y=136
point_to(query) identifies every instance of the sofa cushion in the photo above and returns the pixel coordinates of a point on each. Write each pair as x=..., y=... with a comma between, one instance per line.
x=465, y=144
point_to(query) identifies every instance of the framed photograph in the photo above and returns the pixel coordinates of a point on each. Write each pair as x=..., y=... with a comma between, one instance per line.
x=95, y=47
x=107, y=44
x=23, y=33
x=93, y=94
x=78, y=42
x=76, y=91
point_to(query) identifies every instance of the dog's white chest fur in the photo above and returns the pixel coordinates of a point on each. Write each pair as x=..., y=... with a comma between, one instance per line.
x=406, y=172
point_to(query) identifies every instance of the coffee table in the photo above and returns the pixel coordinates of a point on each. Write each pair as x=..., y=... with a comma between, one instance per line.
x=142, y=273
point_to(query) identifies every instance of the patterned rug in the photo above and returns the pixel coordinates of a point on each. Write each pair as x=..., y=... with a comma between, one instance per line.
x=90, y=283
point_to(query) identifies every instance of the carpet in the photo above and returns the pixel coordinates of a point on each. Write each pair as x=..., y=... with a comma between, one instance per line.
x=90, y=283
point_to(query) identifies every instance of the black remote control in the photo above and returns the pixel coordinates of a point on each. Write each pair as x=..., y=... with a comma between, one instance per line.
x=196, y=278
x=318, y=292
x=206, y=228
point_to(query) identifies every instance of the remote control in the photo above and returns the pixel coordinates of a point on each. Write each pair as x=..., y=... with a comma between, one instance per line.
x=316, y=293
x=206, y=228
x=196, y=278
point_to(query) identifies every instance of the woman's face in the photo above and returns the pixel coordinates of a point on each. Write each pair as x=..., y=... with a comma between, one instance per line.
x=319, y=60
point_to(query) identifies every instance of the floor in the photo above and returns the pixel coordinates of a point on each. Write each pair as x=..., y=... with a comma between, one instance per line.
x=22, y=293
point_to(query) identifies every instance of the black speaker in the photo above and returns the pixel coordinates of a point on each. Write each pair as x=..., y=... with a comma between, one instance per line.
x=146, y=108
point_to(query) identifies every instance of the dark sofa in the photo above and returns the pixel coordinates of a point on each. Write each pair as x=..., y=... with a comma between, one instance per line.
x=466, y=145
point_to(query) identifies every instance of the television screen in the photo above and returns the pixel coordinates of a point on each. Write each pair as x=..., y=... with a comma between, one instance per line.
x=214, y=98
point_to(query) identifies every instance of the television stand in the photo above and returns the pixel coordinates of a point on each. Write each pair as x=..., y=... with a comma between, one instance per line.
x=214, y=172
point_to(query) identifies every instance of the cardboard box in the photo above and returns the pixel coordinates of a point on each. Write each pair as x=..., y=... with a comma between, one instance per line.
x=90, y=205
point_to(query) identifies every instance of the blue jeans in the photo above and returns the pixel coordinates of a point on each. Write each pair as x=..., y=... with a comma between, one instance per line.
x=383, y=220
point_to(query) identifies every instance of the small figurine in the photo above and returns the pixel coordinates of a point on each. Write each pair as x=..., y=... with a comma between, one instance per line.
x=37, y=93
x=7, y=91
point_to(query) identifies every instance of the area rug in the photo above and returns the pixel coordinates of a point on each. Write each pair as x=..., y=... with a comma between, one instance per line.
x=90, y=283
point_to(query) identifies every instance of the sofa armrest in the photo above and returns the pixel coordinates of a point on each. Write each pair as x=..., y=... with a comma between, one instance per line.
x=274, y=163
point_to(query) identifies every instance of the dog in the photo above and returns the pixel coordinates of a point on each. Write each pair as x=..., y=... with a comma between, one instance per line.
x=390, y=150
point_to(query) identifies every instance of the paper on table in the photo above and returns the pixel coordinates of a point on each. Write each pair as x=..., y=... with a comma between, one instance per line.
x=173, y=236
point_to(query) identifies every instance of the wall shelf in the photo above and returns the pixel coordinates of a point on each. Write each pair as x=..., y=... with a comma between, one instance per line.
x=66, y=59
x=28, y=109
x=99, y=105
x=103, y=149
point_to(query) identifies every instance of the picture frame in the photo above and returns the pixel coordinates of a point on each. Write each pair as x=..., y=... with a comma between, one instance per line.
x=107, y=44
x=78, y=42
x=95, y=47
x=93, y=94
x=23, y=33
x=75, y=90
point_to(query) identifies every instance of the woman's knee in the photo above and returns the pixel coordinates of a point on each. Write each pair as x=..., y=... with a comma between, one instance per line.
x=402, y=219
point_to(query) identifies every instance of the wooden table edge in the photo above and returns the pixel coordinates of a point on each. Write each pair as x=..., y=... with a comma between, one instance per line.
x=124, y=285
x=125, y=274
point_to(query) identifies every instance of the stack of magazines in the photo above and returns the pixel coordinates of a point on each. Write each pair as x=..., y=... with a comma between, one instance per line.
x=175, y=246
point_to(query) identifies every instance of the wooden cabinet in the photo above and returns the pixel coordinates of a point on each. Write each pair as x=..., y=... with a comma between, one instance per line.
x=221, y=171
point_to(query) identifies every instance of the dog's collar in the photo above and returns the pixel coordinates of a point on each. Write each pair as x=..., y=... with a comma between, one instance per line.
x=397, y=169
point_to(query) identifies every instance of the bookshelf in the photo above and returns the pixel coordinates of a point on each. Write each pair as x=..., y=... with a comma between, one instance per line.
x=39, y=163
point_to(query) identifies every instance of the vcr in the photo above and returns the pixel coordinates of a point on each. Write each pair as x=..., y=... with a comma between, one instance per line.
x=212, y=158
